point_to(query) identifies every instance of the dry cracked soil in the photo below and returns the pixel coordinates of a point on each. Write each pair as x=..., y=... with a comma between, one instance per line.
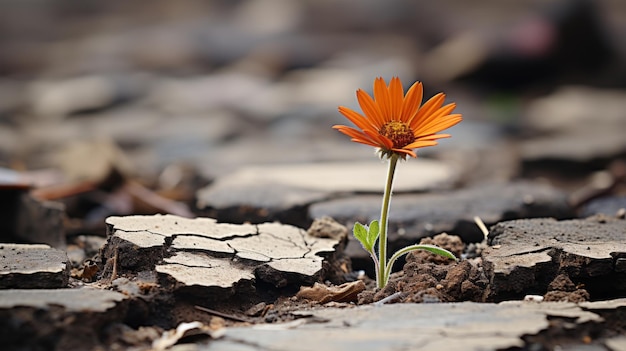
x=170, y=178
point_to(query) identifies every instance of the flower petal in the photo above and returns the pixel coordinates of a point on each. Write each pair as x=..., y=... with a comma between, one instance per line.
x=383, y=141
x=370, y=108
x=411, y=102
x=355, y=117
x=428, y=108
x=405, y=151
x=360, y=138
x=381, y=96
x=440, y=113
x=441, y=124
x=396, y=94
x=351, y=132
x=366, y=142
x=420, y=143
x=433, y=137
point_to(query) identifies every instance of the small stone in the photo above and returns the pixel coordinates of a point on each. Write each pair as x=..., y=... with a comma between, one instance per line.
x=326, y=227
x=533, y=298
x=256, y=310
x=126, y=286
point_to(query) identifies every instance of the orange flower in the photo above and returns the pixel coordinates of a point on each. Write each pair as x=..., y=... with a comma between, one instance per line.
x=395, y=123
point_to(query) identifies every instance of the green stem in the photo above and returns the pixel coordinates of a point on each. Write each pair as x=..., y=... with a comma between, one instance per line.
x=382, y=276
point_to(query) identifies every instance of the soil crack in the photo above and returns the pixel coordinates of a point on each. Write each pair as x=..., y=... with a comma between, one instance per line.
x=224, y=238
x=521, y=253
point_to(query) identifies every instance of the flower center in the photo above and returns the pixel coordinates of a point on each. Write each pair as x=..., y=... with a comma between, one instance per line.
x=398, y=132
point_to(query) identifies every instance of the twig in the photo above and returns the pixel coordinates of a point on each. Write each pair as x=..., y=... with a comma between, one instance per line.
x=114, y=271
x=56, y=192
x=482, y=226
x=390, y=298
x=602, y=183
x=223, y=315
x=157, y=201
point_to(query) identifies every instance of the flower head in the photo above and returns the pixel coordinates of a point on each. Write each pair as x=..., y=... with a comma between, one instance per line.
x=396, y=123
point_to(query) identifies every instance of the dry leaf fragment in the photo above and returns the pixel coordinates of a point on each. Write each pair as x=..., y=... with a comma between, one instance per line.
x=171, y=337
x=346, y=292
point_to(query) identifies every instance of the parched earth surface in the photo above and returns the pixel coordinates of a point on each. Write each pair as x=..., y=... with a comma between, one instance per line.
x=169, y=177
x=263, y=286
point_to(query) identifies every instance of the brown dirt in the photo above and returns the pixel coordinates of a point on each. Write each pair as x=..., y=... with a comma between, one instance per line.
x=563, y=289
x=427, y=277
x=424, y=278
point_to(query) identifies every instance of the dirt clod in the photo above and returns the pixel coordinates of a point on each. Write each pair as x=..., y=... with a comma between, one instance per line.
x=563, y=289
x=579, y=295
x=427, y=277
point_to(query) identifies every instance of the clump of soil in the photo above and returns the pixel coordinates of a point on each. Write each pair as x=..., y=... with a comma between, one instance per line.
x=427, y=277
x=563, y=289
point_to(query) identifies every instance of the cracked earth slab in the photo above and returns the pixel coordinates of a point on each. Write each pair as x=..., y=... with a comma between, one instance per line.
x=283, y=192
x=33, y=266
x=26, y=219
x=58, y=319
x=206, y=258
x=450, y=326
x=533, y=256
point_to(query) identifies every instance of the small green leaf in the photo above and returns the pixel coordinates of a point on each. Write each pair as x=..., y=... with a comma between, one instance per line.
x=373, y=232
x=436, y=250
x=360, y=233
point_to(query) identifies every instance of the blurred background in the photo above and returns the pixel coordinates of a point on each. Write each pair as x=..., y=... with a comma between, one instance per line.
x=175, y=94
